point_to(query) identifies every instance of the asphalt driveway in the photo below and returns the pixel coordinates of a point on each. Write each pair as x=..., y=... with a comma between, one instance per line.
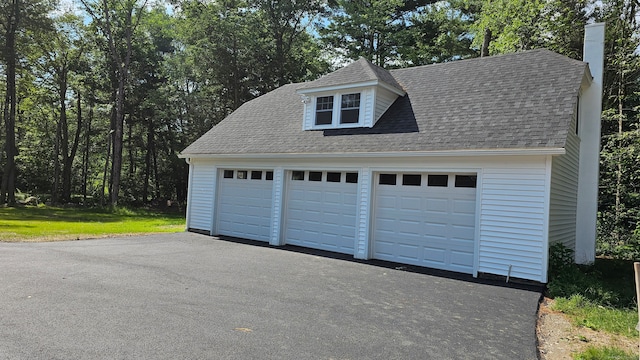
x=190, y=296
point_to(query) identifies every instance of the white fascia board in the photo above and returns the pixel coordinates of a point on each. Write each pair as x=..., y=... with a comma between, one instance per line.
x=351, y=86
x=337, y=87
x=443, y=153
x=393, y=89
x=587, y=79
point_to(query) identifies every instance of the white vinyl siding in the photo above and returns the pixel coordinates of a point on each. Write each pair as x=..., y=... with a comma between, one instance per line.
x=363, y=214
x=309, y=116
x=384, y=99
x=276, y=211
x=201, y=196
x=512, y=222
x=564, y=194
x=368, y=98
x=512, y=205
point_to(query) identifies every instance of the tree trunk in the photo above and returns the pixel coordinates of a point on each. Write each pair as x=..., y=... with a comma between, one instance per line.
x=147, y=161
x=618, y=206
x=85, y=158
x=69, y=157
x=8, y=186
x=56, y=165
x=485, y=43
x=108, y=155
x=63, y=134
x=116, y=165
x=155, y=172
x=130, y=143
x=106, y=166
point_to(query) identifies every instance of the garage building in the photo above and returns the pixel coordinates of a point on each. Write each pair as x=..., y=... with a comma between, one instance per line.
x=473, y=166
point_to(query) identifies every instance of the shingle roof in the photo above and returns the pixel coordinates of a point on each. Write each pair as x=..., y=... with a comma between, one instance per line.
x=516, y=101
x=356, y=72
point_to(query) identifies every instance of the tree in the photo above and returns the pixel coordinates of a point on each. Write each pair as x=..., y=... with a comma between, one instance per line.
x=368, y=28
x=117, y=20
x=238, y=50
x=619, y=217
x=290, y=49
x=503, y=26
x=508, y=25
x=438, y=33
x=20, y=22
x=62, y=60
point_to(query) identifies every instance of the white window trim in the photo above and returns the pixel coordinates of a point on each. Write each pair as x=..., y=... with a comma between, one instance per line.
x=336, y=114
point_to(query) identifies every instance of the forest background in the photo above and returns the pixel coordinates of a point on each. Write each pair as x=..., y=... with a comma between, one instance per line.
x=100, y=96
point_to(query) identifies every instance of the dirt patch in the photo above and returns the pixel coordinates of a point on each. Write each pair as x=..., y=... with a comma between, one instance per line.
x=559, y=339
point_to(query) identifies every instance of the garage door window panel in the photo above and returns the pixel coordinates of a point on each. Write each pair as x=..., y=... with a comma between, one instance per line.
x=438, y=180
x=315, y=176
x=387, y=179
x=241, y=174
x=334, y=177
x=297, y=175
x=352, y=178
x=466, y=181
x=256, y=175
x=228, y=174
x=411, y=180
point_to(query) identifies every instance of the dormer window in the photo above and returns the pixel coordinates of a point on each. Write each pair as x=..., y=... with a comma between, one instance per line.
x=337, y=110
x=350, y=109
x=355, y=96
x=324, y=110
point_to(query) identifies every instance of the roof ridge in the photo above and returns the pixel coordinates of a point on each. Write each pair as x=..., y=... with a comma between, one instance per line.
x=370, y=67
x=359, y=71
x=492, y=57
x=381, y=74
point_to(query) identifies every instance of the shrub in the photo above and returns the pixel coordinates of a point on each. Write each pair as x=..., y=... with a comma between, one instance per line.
x=607, y=282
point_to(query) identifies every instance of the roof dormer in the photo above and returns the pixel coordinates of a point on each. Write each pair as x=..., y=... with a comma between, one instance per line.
x=354, y=96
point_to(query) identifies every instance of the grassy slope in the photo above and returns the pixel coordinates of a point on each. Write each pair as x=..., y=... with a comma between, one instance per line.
x=593, y=353
x=600, y=296
x=50, y=223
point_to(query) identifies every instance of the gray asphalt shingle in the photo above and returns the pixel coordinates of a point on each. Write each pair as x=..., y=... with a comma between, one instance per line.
x=516, y=101
x=356, y=72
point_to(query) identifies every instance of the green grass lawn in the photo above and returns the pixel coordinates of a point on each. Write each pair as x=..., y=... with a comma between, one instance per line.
x=52, y=224
x=604, y=353
x=600, y=296
x=597, y=317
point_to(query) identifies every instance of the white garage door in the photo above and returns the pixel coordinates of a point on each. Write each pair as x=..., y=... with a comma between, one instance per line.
x=426, y=220
x=244, y=204
x=321, y=210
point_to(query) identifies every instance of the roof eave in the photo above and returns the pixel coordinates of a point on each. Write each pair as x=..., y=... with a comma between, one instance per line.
x=587, y=78
x=392, y=154
x=360, y=84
